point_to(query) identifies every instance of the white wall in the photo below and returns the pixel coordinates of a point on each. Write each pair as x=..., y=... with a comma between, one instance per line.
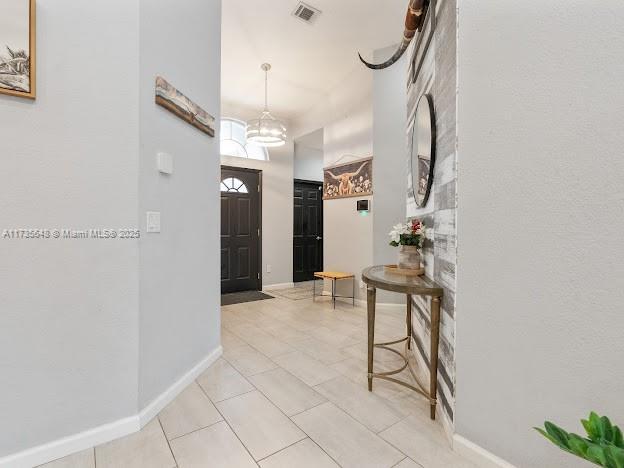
x=389, y=163
x=309, y=156
x=179, y=268
x=540, y=222
x=69, y=308
x=93, y=330
x=277, y=202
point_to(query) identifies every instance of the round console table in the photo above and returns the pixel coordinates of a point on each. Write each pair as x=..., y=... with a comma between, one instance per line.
x=376, y=277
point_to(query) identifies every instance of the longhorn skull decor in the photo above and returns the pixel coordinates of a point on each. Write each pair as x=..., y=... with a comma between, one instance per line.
x=414, y=21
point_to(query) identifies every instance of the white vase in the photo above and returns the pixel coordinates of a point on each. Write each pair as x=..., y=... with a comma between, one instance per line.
x=409, y=257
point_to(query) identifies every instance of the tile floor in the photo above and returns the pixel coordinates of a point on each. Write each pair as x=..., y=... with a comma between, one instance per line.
x=289, y=392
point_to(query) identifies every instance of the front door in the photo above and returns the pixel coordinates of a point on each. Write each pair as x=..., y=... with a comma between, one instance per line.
x=240, y=230
x=308, y=230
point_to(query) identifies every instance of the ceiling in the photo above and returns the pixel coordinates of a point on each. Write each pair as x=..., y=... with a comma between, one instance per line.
x=308, y=59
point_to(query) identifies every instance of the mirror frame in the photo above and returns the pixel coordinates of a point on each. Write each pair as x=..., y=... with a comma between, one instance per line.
x=429, y=99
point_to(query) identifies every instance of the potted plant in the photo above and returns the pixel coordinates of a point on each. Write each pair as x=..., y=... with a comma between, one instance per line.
x=604, y=445
x=408, y=237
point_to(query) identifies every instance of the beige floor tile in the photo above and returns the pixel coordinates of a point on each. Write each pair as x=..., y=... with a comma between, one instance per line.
x=424, y=441
x=408, y=463
x=311, y=371
x=84, y=459
x=360, y=351
x=248, y=361
x=373, y=411
x=286, y=391
x=320, y=350
x=260, y=425
x=285, y=332
x=333, y=337
x=147, y=448
x=190, y=411
x=304, y=454
x=405, y=399
x=214, y=447
x=346, y=440
x=221, y=381
x=269, y=345
x=230, y=340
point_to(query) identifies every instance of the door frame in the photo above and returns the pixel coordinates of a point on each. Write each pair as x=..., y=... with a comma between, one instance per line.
x=322, y=214
x=260, y=233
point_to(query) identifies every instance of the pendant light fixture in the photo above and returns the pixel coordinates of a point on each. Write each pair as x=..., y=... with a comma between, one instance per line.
x=267, y=130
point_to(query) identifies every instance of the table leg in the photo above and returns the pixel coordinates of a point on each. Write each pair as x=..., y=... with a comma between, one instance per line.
x=409, y=321
x=371, y=298
x=353, y=292
x=435, y=340
x=334, y=292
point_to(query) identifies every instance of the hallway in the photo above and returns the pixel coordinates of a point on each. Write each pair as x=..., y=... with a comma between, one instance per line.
x=290, y=390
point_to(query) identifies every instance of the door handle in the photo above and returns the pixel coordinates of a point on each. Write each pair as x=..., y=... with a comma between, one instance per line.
x=319, y=238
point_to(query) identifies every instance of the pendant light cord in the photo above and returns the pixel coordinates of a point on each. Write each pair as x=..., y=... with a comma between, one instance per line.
x=266, y=90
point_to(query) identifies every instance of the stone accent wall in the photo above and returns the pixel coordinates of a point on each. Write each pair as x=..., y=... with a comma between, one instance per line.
x=438, y=77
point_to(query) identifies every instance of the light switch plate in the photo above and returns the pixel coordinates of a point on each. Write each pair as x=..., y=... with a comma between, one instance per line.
x=165, y=163
x=153, y=221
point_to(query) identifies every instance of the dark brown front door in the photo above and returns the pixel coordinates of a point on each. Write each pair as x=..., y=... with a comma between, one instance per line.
x=240, y=230
x=308, y=230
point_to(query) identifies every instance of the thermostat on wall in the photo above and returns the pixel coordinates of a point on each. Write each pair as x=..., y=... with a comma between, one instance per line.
x=363, y=207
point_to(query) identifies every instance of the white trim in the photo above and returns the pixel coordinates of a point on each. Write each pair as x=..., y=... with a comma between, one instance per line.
x=105, y=433
x=278, y=286
x=477, y=454
x=158, y=404
x=75, y=443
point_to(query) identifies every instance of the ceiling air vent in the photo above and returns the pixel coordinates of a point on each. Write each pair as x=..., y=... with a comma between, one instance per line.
x=306, y=13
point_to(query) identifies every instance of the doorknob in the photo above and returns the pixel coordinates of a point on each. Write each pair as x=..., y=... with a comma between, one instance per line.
x=319, y=238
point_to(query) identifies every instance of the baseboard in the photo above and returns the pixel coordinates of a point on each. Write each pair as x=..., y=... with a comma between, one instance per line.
x=158, y=404
x=99, y=435
x=75, y=443
x=278, y=286
x=478, y=455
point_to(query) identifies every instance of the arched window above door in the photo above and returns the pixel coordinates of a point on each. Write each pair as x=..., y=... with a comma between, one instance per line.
x=230, y=184
x=234, y=142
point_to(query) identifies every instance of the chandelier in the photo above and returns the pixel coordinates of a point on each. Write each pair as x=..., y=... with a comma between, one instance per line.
x=267, y=130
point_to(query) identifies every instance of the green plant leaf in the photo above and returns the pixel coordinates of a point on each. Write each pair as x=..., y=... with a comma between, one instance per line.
x=615, y=455
x=595, y=454
x=559, y=434
x=592, y=432
x=549, y=437
x=612, y=457
x=578, y=445
x=607, y=429
x=618, y=440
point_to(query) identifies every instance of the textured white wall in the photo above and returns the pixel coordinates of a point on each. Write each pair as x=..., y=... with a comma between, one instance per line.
x=390, y=150
x=308, y=162
x=540, y=222
x=277, y=203
x=69, y=308
x=179, y=268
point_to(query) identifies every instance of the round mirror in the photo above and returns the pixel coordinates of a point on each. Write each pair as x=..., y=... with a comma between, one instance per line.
x=423, y=150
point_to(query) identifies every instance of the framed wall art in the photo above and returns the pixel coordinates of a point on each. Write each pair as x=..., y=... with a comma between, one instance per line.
x=353, y=179
x=177, y=103
x=17, y=48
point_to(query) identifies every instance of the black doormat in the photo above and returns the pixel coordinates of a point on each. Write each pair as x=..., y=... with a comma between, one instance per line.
x=245, y=296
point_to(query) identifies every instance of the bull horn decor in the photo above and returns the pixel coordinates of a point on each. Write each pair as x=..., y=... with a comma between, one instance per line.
x=413, y=22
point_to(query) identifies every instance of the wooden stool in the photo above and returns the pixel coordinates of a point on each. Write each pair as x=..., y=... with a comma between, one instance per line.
x=334, y=276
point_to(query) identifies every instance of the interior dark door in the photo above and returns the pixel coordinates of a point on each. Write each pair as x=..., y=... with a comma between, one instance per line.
x=308, y=230
x=240, y=230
